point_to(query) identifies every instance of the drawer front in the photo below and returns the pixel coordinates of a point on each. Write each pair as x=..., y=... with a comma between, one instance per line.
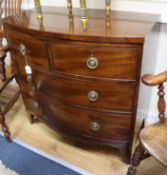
x=97, y=60
x=97, y=94
x=36, y=50
x=107, y=95
x=71, y=120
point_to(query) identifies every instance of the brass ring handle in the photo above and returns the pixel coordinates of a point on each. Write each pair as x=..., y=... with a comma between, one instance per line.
x=93, y=96
x=35, y=105
x=22, y=49
x=92, y=63
x=29, y=78
x=95, y=126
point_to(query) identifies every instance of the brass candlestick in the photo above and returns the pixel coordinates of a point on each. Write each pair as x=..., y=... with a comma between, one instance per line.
x=39, y=11
x=108, y=7
x=71, y=26
x=84, y=18
x=108, y=25
x=108, y=17
x=69, y=6
x=71, y=17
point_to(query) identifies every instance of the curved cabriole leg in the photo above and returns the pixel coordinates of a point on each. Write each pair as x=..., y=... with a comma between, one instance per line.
x=4, y=127
x=136, y=159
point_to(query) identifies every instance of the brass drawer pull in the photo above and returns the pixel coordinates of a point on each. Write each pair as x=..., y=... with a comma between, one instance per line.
x=22, y=49
x=35, y=105
x=95, y=126
x=29, y=78
x=28, y=69
x=93, y=96
x=92, y=63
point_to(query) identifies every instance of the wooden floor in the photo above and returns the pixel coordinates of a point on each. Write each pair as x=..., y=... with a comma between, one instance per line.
x=98, y=160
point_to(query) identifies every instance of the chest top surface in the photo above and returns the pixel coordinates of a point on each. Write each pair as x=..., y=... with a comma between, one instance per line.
x=121, y=27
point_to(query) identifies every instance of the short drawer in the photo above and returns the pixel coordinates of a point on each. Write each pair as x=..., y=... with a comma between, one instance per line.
x=71, y=120
x=36, y=50
x=98, y=60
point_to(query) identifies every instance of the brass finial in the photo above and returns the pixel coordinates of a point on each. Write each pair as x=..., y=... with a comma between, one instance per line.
x=84, y=18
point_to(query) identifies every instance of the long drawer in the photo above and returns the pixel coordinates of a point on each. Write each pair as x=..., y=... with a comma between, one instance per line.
x=85, y=123
x=85, y=93
x=72, y=120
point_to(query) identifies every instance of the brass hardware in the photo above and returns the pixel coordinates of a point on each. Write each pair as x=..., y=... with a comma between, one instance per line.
x=69, y=6
x=84, y=23
x=22, y=49
x=29, y=78
x=108, y=7
x=95, y=126
x=84, y=19
x=71, y=18
x=92, y=63
x=71, y=26
x=93, y=96
x=28, y=70
x=39, y=11
x=108, y=17
x=108, y=26
x=83, y=3
x=35, y=105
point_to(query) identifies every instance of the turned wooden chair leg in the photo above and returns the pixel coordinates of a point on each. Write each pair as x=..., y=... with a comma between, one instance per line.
x=4, y=127
x=2, y=65
x=136, y=159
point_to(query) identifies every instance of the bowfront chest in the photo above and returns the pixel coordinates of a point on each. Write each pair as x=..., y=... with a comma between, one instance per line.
x=84, y=83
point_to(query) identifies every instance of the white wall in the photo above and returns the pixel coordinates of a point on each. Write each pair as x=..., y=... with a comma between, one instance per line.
x=150, y=54
x=155, y=52
x=154, y=61
x=160, y=64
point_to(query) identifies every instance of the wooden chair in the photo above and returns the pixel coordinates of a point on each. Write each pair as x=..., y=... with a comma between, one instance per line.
x=7, y=8
x=7, y=108
x=153, y=139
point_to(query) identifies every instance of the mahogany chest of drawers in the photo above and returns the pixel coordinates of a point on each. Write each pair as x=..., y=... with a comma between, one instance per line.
x=83, y=84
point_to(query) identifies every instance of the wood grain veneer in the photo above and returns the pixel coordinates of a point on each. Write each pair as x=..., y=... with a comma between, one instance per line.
x=61, y=78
